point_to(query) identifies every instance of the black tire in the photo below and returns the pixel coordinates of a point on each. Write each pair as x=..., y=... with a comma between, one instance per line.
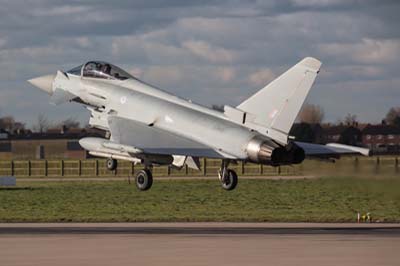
x=111, y=164
x=144, y=180
x=230, y=181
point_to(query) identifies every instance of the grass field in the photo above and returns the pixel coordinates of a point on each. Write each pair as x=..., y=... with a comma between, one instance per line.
x=316, y=200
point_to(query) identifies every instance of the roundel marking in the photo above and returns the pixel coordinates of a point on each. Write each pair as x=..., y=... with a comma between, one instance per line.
x=123, y=99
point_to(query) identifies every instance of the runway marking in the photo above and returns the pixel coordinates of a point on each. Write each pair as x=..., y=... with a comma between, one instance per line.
x=165, y=230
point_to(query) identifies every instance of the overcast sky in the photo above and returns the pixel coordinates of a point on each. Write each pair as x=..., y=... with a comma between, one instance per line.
x=213, y=52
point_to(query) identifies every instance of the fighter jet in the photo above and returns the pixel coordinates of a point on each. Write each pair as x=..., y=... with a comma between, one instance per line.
x=153, y=127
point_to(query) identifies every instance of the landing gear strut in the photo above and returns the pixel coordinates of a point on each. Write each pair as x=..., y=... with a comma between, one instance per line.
x=144, y=179
x=111, y=164
x=227, y=177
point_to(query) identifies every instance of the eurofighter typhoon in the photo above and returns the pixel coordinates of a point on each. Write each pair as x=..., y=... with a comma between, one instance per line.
x=153, y=127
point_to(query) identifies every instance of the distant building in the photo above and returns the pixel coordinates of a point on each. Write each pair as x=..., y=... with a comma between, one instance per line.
x=53, y=144
x=382, y=138
x=307, y=132
x=332, y=133
x=3, y=134
x=345, y=134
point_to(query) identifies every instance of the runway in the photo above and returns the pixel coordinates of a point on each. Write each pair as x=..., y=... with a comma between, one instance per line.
x=199, y=244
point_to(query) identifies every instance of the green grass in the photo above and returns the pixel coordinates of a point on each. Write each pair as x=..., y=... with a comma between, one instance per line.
x=310, y=200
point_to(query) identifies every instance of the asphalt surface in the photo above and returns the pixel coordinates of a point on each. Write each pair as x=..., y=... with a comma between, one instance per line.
x=199, y=244
x=202, y=228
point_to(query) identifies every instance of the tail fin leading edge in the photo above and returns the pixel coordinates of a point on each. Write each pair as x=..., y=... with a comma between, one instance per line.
x=276, y=105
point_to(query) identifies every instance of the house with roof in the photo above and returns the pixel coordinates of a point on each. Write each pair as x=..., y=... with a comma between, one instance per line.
x=56, y=143
x=350, y=135
x=382, y=138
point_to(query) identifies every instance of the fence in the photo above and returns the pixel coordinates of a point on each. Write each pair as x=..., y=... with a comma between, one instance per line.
x=384, y=165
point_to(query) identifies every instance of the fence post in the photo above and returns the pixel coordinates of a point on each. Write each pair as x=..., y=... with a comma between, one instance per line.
x=79, y=167
x=29, y=167
x=45, y=168
x=204, y=166
x=12, y=168
x=96, y=167
x=62, y=167
x=260, y=169
x=356, y=163
x=132, y=169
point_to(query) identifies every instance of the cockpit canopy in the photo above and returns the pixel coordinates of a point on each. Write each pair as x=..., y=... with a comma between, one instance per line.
x=101, y=70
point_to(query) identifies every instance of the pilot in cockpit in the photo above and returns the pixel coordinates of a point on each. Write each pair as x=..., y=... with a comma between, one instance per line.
x=99, y=66
x=107, y=69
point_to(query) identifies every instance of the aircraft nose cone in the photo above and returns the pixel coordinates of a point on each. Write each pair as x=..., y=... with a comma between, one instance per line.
x=44, y=83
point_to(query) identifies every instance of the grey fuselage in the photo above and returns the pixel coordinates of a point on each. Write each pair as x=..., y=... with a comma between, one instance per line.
x=132, y=99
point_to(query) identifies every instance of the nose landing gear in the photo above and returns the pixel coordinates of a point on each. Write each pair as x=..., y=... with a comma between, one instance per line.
x=111, y=164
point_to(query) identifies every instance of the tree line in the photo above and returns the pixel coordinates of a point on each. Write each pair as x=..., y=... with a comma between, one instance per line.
x=314, y=114
x=9, y=124
x=309, y=117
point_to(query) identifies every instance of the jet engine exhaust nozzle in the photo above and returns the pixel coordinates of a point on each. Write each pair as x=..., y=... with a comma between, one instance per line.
x=265, y=151
x=291, y=154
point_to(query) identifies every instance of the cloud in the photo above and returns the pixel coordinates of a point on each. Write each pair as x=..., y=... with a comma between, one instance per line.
x=84, y=42
x=355, y=72
x=366, y=51
x=164, y=74
x=64, y=10
x=146, y=48
x=319, y=3
x=204, y=50
x=261, y=77
x=3, y=41
x=226, y=74
x=136, y=72
x=214, y=52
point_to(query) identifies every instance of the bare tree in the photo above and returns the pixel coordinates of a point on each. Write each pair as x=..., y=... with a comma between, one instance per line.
x=69, y=123
x=9, y=124
x=42, y=124
x=350, y=119
x=393, y=116
x=311, y=114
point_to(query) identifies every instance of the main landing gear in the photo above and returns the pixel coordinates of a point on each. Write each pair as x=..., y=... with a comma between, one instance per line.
x=227, y=177
x=144, y=179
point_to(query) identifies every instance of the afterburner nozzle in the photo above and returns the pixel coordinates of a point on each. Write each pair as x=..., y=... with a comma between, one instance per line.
x=44, y=83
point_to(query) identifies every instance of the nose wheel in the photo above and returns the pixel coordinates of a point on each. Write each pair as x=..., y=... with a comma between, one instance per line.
x=227, y=177
x=144, y=180
x=111, y=164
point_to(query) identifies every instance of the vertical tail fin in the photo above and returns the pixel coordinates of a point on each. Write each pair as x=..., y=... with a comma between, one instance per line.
x=276, y=105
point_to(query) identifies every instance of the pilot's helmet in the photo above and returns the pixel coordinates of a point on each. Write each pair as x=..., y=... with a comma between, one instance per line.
x=107, y=69
x=99, y=66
